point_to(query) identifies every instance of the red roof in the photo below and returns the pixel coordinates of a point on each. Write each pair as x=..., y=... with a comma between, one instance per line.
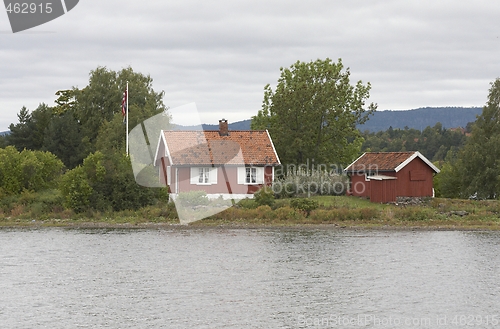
x=386, y=161
x=240, y=147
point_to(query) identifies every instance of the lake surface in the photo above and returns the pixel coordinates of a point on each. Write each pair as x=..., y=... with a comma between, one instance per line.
x=248, y=278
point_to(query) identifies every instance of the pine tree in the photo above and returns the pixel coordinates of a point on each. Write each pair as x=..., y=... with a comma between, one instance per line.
x=480, y=158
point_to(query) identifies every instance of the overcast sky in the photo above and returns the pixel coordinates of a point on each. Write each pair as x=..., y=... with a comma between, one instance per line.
x=221, y=54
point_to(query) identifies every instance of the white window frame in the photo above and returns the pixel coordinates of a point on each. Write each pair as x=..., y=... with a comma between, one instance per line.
x=251, y=175
x=246, y=177
x=208, y=175
x=368, y=174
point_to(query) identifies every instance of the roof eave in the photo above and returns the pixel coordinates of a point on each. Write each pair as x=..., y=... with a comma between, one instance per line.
x=412, y=157
x=274, y=149
x=347, y=169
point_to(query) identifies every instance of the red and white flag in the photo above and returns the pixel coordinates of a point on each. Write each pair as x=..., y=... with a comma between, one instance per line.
x=124, y=103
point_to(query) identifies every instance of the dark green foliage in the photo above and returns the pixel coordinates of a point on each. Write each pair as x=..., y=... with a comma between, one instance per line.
x=33, y=204
x=21, y=134
x=264, y=196
x=84, y=120
x=247, y=204
x=473, y=171
x=106, y=182
x=433, y=142
x=98, y=106
x=3, y=141
x=480, y=158
x=448, y=183
x=64, y=139
x=313, y=112
x=29, y=133
x=27, y=170
x=304, y=204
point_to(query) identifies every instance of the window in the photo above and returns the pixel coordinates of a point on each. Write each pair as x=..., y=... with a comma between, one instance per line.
x=251, y=175
x=368, y=174
x=203, y=176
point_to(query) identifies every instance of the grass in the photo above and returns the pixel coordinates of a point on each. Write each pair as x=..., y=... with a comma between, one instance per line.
x=335, y=211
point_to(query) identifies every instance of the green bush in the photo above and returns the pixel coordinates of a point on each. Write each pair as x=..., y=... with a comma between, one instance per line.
x=280, y=203
x=265, y=212
x=264, y=196
x=27, y=170
x=368, y=213
x=321, y=215
x=76, y=190
x=248, y=204
x=288, y=214
x=304, y=204
x=106, y=182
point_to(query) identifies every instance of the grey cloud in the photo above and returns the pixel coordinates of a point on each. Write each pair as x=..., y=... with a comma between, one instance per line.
x=220, y=55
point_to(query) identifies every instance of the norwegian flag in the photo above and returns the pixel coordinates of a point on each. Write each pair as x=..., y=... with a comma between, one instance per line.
x=124, y=103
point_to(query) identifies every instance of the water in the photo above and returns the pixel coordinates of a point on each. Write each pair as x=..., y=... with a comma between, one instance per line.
x=244, y=278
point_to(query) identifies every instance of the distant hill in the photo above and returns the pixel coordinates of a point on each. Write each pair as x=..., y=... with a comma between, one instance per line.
x=3, y=133
x=450, y=117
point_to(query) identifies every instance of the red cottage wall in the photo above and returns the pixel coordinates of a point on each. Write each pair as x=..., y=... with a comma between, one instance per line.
x=360, y=187
x=221, y=186
x=383, y=191
x=407, y=185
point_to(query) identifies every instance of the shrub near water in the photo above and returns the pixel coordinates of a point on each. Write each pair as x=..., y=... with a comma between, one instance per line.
x=344, y=214
x=414, y=213
x=304, y=204
x=288, y=214
x=247, y=204
x=264, y=196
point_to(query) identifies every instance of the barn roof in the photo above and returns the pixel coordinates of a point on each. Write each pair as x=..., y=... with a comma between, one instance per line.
x=239, y=147
x=386, y=161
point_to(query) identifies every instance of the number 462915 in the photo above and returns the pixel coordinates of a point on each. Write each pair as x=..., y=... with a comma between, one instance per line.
x=29, y=8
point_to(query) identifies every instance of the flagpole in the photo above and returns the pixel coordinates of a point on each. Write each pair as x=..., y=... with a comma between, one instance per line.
x=126, y=119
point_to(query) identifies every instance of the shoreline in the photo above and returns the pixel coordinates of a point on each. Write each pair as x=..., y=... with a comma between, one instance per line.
x=331, y=212
x=237, y=225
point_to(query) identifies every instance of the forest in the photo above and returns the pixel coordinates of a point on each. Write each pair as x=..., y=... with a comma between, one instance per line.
x=71, y=156
x=433, y=142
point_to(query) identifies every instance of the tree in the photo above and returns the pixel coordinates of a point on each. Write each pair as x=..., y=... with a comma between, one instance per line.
x=27, y=170
x=98, y=106
x=64, y=139
x=106, y=182
x=3, y=140
x=65, y=100
x=20, y=132
x=29, y=133
x=313, y=112
x=433, y=142
x=447, y=183
x=480, y=158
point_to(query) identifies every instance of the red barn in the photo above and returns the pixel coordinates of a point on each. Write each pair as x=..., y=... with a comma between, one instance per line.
x=384, y=176
x=232, y=164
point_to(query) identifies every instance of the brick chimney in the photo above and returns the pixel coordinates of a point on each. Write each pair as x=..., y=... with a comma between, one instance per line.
x=223, y=128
